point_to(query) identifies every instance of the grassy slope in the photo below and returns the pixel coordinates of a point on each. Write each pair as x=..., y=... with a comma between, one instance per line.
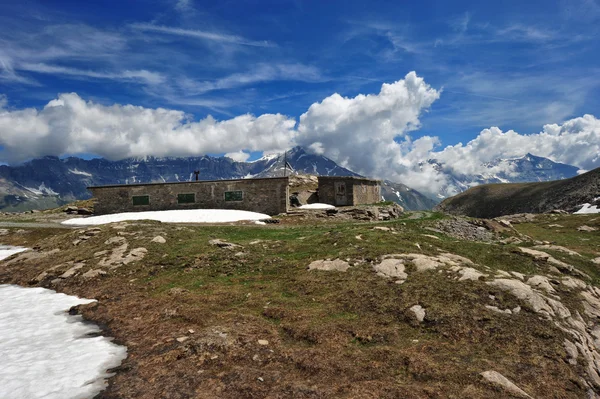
x=492, y=200
x=330, y=334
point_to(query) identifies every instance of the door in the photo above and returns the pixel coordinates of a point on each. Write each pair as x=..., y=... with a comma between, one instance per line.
x=340, y=193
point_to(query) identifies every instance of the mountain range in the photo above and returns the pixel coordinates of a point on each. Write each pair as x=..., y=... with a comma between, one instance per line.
x=528, y=168
x=51, y=181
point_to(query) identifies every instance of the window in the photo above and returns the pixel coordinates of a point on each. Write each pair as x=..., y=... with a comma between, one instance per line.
x=186, y=198
x=234, y=195
x=141, y=200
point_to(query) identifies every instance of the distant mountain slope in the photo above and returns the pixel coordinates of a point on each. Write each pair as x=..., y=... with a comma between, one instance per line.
x=492, y=200
x=408, y=198
x=529, y=168
x=49, y=182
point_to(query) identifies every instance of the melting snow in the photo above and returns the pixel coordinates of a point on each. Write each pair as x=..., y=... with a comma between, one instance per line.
x=45, y=352
x=587, y=208
x=316, y=206
x=6, y=251
x=173, y=216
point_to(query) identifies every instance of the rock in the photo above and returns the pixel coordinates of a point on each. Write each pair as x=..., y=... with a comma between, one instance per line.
x=392, y=268
x=72, y=271
x=382, y=228
x=329, y=265
x=4, y=232
x=518, y=275
x=223, y=244
x=263, y=342
x=586, y=228
x=558, y=248
x=92, y=232
x=571, y=282
x=182, y=339
x=555, y=225
x=134, y=255
x=498, y=380
x=100, y=253
x=115, y=240
x=541, y=282
x=84, y=211
x=497, y=309
x=468, y=273
x=419, y=312
x=93, y=273
x=538, y=302
x=596, y=260
x=70, y=209
x=159, y=240
x=572, y=353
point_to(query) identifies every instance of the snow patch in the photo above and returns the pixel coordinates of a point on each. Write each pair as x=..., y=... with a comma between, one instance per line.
x=6, y=251
x=41, y=190
x=588, y=208
x=316, y=206
x=45, y=354
x=173, y=216
x=79, y=172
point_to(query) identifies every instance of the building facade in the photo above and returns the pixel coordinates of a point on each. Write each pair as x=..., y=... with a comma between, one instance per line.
x=348, y=190
x=269, y=196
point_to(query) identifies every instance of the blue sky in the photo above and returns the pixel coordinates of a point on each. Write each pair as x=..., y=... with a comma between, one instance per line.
x=512, y=64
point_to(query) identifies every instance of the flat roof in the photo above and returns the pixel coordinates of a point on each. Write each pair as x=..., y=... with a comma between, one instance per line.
x=349, y=177
x=187, y=182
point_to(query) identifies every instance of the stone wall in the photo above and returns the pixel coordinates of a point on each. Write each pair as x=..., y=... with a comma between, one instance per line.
x=348, y=190
x=268, y=196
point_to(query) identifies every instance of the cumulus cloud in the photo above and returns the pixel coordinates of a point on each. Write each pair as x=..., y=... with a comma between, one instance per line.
x=239, y=156
x=575, y=142
x=360, y=133
x=70, y=125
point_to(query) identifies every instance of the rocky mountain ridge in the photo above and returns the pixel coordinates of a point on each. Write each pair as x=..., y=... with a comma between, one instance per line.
x=528, y=168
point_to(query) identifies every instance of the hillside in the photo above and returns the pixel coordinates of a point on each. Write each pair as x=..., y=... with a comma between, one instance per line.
x=424, y=306
x=492, y=200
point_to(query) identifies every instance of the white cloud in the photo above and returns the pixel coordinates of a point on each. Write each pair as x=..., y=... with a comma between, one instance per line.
x=574, y=142
x=239, y=156
x=360, y=132
x=70, y=125
x=139, y=75
x=200, y=34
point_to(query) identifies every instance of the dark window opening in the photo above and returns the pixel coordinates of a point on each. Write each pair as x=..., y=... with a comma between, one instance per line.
x=234, y=195
x=141, y=200
x=186, y=198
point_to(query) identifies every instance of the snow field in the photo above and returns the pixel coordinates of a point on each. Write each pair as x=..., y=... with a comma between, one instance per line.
x=45, y=352
x=172, y=216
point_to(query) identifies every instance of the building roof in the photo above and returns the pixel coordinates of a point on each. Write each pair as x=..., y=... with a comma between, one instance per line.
x=187, y=182
x=365, y=179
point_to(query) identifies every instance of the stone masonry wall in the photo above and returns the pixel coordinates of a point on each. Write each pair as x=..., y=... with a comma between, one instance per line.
x=348, y=190
x=366, y=192
x=268, y=196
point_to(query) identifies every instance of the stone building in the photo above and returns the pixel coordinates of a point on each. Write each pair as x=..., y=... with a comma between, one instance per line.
x=268, y=196
x=348, y=190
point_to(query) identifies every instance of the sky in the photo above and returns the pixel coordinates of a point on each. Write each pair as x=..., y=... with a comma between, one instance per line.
x=375, y=86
